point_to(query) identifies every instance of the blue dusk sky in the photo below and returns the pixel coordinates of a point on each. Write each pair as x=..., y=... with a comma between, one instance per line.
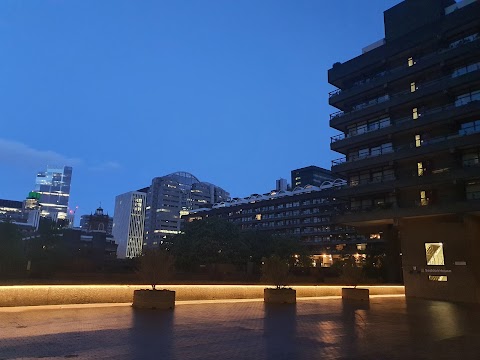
x=233, y=91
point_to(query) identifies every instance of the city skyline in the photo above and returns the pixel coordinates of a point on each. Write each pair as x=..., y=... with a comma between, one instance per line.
x=237, y=94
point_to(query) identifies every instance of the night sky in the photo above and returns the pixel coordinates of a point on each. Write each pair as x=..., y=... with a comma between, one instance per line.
x=234, y=92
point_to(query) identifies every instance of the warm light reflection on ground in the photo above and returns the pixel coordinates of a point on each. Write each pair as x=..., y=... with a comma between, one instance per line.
x=177, y=303
x=327, y=328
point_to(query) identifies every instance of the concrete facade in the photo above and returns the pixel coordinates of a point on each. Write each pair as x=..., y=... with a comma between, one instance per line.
x=459, y=236
x=409, y=110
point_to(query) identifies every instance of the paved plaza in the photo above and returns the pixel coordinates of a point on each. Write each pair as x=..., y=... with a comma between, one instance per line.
x=387, y=328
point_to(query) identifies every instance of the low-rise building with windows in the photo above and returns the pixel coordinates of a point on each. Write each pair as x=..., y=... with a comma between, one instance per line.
x=306, y=213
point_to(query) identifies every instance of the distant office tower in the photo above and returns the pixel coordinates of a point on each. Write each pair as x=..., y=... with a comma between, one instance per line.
x=129, y=222
x=31, y=206
x=53, y=185
x=170, y=197
x=97, y=222
x=281, y=185
x=311, y=175
x=20, y=213
x=11, y=210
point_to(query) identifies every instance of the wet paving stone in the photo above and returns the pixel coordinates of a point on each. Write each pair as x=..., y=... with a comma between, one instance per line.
x=386, y=328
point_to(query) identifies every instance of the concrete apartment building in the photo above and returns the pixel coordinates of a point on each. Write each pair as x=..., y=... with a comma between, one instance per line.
x=306, y=213
x=409, y=135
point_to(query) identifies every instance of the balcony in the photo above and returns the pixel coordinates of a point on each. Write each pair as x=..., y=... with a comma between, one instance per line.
x=424, y=146
x=388, y=213
x=446, y=174
x=365, y=105
x=374, y=185
x=446, y=54
x=354, y=133
x=336, y=241
x=423, y=90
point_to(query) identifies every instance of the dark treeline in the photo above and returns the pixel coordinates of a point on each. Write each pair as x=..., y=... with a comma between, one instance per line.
x=211, y=249
x=216, y=241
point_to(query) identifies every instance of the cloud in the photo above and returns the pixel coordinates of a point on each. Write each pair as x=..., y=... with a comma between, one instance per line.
x=109, y=165
x=17, y=154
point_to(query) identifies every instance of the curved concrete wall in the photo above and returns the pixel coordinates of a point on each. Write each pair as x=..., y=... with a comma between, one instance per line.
x=30, y=295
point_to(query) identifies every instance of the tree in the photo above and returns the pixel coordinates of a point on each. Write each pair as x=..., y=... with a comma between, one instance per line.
x=156, y=266
x=209, y=241
x=286, y=246
x=352, y=273
x=262, y=245
x=12, y=258
x=275, y=271
x=375, y=262
x=46, y=249
x=258, y=245
x=304, y=260
x=217, y=241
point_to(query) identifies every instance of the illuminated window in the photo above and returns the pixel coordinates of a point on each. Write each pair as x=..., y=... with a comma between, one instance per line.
x=361, y=247
x=420, y=169
x=423, y=198
x=413, y=87
x=418, y=141
x=415, y=113
x=434, y=253
x=437, y=277
x=258, y=217
x=472, y=190
x=411, y=62
x=354, y=180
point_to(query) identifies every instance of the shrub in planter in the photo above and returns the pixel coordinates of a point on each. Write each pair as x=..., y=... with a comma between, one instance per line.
x=275, y=272
x=352, y=275
x=156, y=266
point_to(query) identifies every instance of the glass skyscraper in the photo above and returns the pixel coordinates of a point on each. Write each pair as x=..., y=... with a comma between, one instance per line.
x=53, y=185
x=171, y=196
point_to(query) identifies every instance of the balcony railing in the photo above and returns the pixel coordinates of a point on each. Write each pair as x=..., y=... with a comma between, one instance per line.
x=373, y=207
x=387, y=97
x=422, y=113
x=422, y=143
x=426, y=203
x=473, y=195
x=374, y=180
x=347, y=240
x=402, y=67
x=356, y=133
x=362, y=106
x=334, y=92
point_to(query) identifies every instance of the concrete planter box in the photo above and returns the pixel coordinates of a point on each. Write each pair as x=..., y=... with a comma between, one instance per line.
x=153, y=299
x=280, y=296
x=355, y=294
